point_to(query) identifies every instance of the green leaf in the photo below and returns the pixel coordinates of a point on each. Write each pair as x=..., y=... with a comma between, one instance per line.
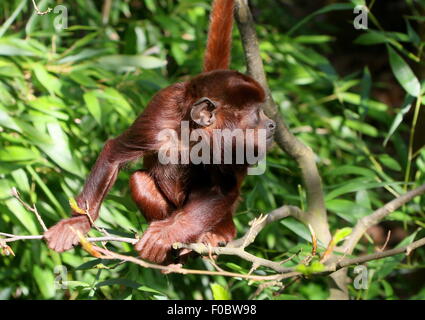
x=82, y=55
x=341, y=234
x=93, y=106
x=407, y=105
x=45, y=281
x=50, y=105
x=234, y=267
x=366, y=86
x=356, y=185
x=413, y=36
x=399, y=216
x=349, y=169
x=51, y=83
x=58, y=149
x=348, y=210
x=313, y=39
x=315, y=267
x=77, y=284
x=5, y=96
x=17, y=47
x=83, y=79
x=9, y=21
x=117, y=100
x=389, y=162
x=123, y=63
x=7, y=121
x=21, y=179
x=25, y=218
x=15, y=153
x=300, y=229
x=371, y=38
x=329, y=8
x=219, y=292
x=362, y=127
x=404, y=73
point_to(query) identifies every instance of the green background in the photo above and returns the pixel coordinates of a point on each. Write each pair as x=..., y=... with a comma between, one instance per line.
x=348, y=94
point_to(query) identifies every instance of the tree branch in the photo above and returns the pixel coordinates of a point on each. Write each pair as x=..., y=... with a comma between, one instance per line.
x=239, y=252
x=384, y=254
x=277, y=214
x=366, y=222
x=303, y=154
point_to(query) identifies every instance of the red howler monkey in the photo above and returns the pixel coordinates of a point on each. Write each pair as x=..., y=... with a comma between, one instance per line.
x=182, y=202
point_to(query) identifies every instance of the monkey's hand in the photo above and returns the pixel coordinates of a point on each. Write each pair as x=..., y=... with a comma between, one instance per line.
x=215, y=239
x=156, y=243
x=63, y=235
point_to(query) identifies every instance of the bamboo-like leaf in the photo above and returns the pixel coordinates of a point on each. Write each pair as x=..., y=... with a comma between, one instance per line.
x=404, y=73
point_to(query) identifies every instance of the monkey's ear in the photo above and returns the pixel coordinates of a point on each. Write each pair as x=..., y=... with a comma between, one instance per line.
x=203, y=112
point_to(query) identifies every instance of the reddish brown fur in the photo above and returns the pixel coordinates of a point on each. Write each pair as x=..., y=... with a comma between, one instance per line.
x=183, y=203
x=219, y=44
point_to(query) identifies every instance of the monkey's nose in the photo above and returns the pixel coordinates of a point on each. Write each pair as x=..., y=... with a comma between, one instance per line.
x=271, y=125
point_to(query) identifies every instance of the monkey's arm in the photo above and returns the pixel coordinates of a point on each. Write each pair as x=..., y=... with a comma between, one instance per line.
x=138, y=140
x=63, y=235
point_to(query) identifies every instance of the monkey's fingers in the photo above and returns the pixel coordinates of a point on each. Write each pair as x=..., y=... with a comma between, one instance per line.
x=63, y=236
x=154, y=246
x=214, y=239
x=150, y=251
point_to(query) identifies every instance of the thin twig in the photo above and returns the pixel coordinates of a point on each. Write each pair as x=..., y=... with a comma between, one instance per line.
x=366, y=222
x=13, y=238
x=32, y=209
x=239, y=252
x=386, y=242
x=109, y=255
x=37, y=10
x=275, y=215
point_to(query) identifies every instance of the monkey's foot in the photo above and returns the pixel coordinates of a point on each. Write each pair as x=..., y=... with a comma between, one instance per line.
x=156, y=243
x=63, y=235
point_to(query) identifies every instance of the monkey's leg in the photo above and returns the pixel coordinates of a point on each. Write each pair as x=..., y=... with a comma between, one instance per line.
x=148, y=197
x=186, y=225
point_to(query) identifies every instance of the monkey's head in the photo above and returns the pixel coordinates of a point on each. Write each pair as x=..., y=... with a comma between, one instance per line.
x=230, y=102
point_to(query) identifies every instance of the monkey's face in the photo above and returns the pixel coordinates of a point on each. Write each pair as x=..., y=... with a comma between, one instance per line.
x=233, y=136
x=226, y=108
x=263, y=126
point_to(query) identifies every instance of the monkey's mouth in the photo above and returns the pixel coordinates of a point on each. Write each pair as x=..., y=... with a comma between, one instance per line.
x=269, y=140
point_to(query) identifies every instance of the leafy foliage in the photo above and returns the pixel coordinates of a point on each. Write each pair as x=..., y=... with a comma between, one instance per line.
x=63, y=93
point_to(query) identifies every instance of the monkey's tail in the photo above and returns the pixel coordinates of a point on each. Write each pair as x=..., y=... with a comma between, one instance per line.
x=217, y=55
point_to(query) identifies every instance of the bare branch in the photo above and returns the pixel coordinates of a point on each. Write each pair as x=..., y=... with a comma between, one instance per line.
x=277, y=214
x=284, y=138
x=332, y=268
x=32, y=209
x=239, y=252
x=369, y=221
x=13, y=238
x=384, y=254
x=37, y=10
x=109, y=255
